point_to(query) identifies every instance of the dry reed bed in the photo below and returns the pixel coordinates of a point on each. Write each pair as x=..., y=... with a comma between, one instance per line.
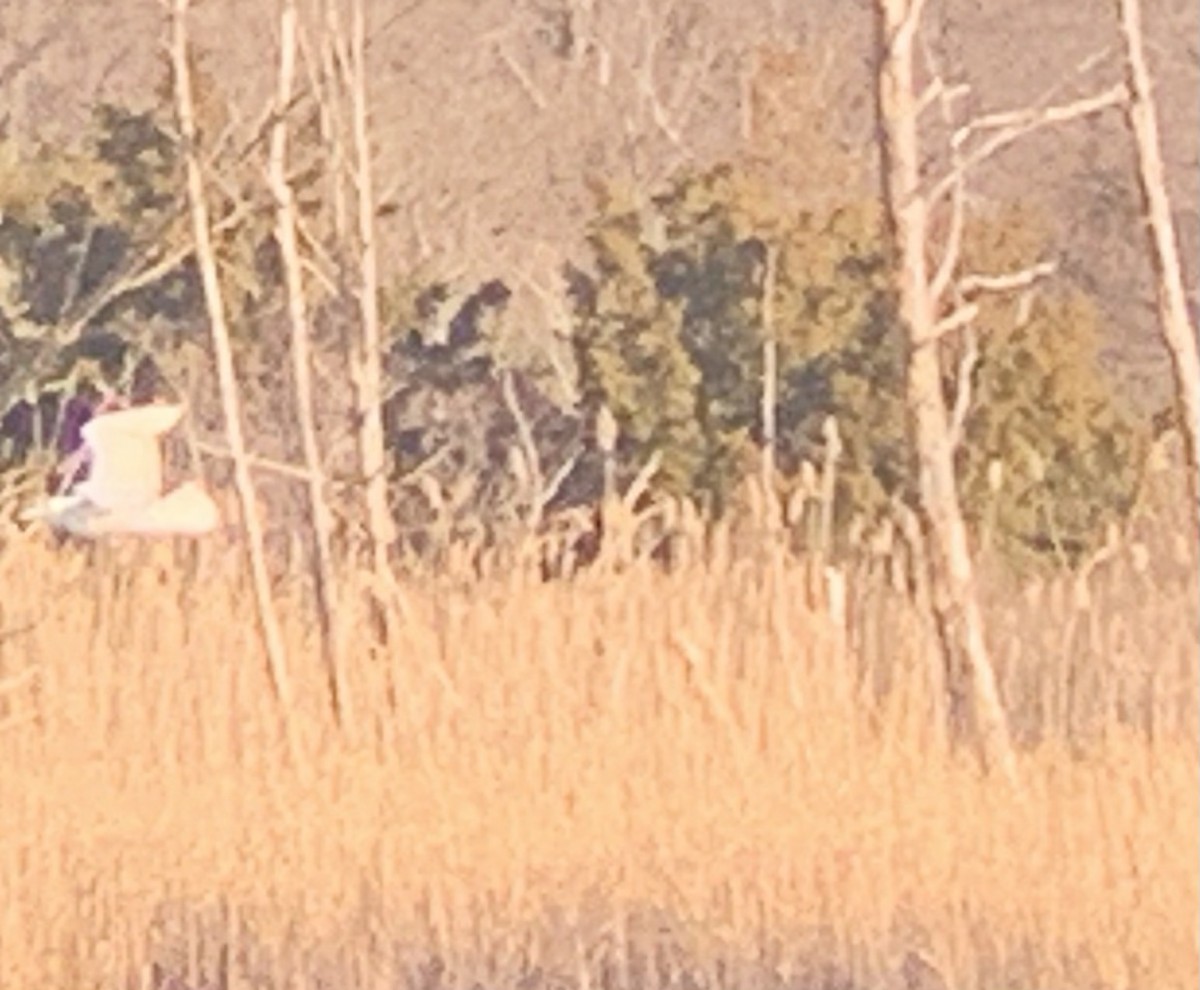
x=635, y=781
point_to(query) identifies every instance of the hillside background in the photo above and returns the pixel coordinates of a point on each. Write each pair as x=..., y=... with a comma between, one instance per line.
x=492, y=115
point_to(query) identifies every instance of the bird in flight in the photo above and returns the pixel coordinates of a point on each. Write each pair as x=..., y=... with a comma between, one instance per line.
x=123, y=490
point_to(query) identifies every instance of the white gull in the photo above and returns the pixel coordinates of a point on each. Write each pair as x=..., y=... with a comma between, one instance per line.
x=124, y=490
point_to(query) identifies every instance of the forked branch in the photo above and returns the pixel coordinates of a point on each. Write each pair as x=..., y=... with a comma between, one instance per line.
x=1010, y=126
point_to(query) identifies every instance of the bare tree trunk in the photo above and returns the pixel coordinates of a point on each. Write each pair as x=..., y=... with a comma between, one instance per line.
x=1177, y=329
x=285, y=234
x=770, y=387
x=369, y=373
x=231, y=405
x=956, y=604
x=328, y=68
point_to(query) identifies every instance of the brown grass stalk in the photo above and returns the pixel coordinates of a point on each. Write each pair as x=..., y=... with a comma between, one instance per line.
x=612, y=781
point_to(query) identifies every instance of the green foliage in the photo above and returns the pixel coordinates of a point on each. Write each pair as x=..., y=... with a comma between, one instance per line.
x=1047, y=421
x=629, y=348
x=670, y=319
x=76, y=223
x=842, y=356
x=73, y=223
x=670, y=332
x=143, y=158
x=1045, y=411
x=36, y=190
x=670, y=329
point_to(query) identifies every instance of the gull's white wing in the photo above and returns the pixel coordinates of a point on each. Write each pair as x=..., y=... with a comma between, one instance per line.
x=184, y=511
x=126, y=469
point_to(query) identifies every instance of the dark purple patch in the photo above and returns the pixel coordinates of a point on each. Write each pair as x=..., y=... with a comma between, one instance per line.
x=70, y=430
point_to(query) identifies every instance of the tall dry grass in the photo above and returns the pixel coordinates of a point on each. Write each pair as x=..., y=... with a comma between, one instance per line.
x=639, y=780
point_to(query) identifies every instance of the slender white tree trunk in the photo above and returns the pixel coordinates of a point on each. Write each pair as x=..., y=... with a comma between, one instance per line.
x=369, y=372
x=285, y=236
x=1173, y=318
x=227, y=379
x=956, y=604
x=770, y=387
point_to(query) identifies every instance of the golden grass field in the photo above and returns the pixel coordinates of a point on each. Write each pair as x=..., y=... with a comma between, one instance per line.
x=643, y=780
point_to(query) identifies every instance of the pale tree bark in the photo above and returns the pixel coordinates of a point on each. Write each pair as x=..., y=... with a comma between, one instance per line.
x=286, y=223
x=206, y=261
x=368, y=371
x=336, y=61
x=327, y=78
x=1173, y=317
x=956, y=603
x=769, y=396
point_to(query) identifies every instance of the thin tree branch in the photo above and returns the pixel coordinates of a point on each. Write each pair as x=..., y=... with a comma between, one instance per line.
x=1013, y=125
x=938, y=92
x=528, y=447
x=965, y=313
x=255, y=461
x=536, y=96
x=970, y=285
x=952, y=250
x=909, y=25
x=958, y=318
x=140, y=279
x=554, y=485
x=962, y=395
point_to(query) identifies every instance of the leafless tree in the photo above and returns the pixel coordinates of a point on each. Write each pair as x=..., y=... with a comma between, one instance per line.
x=368, y=366
x=769, y=397
x=934, y=305
x=341, y=67
x=957, y=606
x=286, y=223
x=1173, y=318
x=230, y=400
